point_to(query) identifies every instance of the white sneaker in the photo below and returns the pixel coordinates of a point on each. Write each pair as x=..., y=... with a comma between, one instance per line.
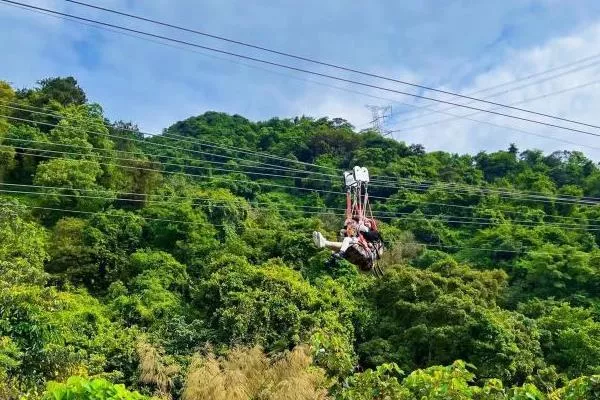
x=319, y=240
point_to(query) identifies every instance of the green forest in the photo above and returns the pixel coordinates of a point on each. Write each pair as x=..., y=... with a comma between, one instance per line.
x=180, y=265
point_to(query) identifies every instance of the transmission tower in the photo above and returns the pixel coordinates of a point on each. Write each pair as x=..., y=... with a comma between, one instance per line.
x=380, y=115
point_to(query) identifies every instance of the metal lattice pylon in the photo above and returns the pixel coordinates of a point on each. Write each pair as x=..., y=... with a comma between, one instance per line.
x=379, y=117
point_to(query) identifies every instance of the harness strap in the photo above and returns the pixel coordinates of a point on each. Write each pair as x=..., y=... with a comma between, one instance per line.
x=348, y=205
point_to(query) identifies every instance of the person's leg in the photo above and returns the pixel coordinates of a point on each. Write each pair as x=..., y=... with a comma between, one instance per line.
x=346, y=243
x=321, y=242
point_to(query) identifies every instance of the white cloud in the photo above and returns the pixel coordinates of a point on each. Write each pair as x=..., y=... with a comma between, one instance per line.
x=464, y=136
x=580, y=105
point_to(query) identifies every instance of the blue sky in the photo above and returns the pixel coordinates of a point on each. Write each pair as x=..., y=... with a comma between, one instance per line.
x=462, y=46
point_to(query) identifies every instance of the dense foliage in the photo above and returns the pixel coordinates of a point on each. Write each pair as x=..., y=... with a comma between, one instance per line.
x=180, y=266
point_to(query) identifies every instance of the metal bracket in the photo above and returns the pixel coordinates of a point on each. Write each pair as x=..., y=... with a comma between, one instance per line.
x=361, y=174
x=349, y=179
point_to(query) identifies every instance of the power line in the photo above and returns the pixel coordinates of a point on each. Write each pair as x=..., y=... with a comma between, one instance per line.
x=521, y=250
x=206, y=142
x=217, y=155
x=314, y=61
x=145, y=142
x=290, y=160
x=570, y=71
x=162, y=163
x=207, y=200
x=406, y=215
x=60, y=152
x=318, y=82
x=321, y=83
x=393, y=182
x=177, y=148
x=181, y=138
x=299, y=78
x=375, y=184
x=107, y=214
x=504, y=210
x=332, y=76
x=266, y=155
x=460, y=188
x=183, y=173
x=183, y=165
x=195, y=201
x=413, y=185
x=311, y=81
x=158, y=136
x=221, y=58
x=417, y=186
x=595, y=82
x=504, y=194
x=171, y=164
x=321, y=210
x=186, y=174
x=515, y=130
x=191, y=175
x=158, y=156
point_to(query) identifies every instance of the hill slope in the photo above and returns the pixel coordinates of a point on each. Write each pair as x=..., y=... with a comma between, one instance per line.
x=171, y=264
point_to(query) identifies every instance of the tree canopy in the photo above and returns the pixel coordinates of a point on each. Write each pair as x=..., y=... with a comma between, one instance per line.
x=180, y=265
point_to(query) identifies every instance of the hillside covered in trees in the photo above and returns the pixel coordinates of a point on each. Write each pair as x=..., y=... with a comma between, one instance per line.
x=180, y=265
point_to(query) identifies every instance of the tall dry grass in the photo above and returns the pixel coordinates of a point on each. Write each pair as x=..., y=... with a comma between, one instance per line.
x=155, y=371
x=247, y=373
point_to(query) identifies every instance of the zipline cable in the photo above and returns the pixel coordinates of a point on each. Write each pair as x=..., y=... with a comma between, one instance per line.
x=463, y=188
x=416, y=186
x=209, y=200
x=165, y=164
x=107, y=214
x=199, y=201
x=545, y=199
x=419, y=202
x=506, y=195
x=223, y=178
x=54, y=144
x=376, y=183
x=194, y=201
x=424, y=245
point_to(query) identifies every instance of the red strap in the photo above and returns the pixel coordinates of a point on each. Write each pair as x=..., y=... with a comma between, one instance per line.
x=348, y=206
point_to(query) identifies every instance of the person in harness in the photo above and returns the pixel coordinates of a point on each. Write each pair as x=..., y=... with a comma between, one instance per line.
x=361, y=242
x=354, y=230
x=361, y=245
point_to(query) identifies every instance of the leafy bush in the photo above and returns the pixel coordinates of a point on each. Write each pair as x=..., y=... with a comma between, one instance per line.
x=77, y=388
